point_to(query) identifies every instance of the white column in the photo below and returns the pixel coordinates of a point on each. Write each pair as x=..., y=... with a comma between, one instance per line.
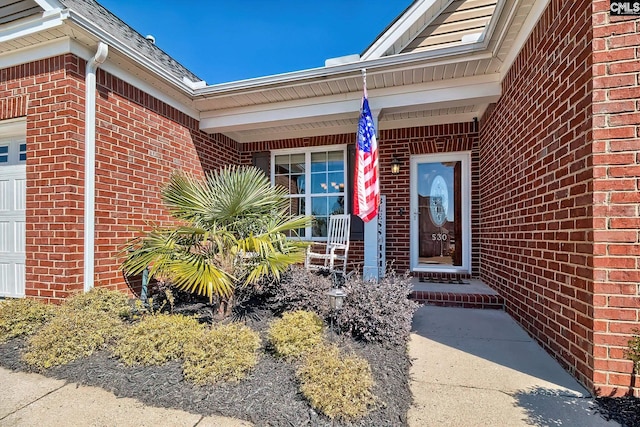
x=370, y=271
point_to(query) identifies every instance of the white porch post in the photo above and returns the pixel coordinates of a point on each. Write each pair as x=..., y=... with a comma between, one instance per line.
x=371, y=270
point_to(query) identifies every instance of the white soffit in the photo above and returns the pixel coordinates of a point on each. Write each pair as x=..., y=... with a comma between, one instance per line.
x=403, y=99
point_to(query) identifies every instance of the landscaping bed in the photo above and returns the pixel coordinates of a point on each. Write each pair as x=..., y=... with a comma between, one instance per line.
x=270, y=394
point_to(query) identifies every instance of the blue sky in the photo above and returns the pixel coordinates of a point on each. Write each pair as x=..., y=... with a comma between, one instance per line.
x=228, y=40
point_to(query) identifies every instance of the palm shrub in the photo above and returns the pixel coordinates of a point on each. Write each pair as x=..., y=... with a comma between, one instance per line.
x=234, y=229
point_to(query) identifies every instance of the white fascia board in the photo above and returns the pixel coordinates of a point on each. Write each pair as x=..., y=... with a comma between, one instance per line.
x=437, y=94
x=431, y=8
x=527, y=27
x=23, y=28
x=35, y=53
x=402, y=61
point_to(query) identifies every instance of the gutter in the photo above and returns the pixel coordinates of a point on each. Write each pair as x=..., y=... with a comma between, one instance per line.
x=90, y=163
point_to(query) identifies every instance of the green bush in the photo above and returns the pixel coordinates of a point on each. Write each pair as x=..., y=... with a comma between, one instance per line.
x=23, y=316
x=633, y=351
x=295, y=334
x=156, y=339
x=71, y=334
x=101, y=299
x=378, y=311
x=299, y=289
x=339, y=386
x=225, y=353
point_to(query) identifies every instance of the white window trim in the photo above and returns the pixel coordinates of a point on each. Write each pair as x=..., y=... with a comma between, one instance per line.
x=465, y=158
x=13, y=133
x=307, y=151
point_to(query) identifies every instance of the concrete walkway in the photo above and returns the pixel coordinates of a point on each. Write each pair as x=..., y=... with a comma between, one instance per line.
x=475, y=367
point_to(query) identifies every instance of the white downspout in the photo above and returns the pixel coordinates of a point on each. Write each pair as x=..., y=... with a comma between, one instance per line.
x=90, y=163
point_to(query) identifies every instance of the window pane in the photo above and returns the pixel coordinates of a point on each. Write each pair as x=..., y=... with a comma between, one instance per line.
x=335, y=205
x=336, y=161
x=319, y=183
x=319, y=228
x=23, y=157
x=4, y=158
x=282, y=164
x=318, y=162
x=297, y=163
x=335, y=182
x=4, y=149
x=23, y=147
x=319, y=206
x=440, y=241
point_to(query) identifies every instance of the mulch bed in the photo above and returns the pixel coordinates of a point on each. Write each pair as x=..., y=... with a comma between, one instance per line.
x=625, y=410
x=269, y=396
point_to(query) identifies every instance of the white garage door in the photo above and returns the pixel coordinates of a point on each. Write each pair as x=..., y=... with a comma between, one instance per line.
x=13, y=155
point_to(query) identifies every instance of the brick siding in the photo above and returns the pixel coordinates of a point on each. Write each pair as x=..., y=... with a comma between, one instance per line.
x=139, y=142
x=537, y=188
x=616, y=223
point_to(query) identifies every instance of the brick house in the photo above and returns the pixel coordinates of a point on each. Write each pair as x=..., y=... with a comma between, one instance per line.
x=515, y=125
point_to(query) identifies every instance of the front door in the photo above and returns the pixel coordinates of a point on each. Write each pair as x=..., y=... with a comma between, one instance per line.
x=440, y=213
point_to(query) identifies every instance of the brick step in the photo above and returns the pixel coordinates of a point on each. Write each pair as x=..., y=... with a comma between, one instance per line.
x=468, y=294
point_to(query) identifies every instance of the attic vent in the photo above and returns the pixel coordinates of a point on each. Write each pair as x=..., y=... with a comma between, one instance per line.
x=151, y=39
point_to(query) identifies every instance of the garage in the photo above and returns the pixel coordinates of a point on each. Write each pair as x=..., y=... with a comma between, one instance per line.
x=13, y=156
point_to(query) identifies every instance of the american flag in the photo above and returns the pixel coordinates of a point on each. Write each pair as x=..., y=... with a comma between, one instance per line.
x=366, y=194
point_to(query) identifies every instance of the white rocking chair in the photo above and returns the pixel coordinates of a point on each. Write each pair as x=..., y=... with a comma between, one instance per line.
x=334, y=259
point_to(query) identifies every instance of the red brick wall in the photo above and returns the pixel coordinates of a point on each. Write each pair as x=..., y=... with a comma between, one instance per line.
x=139, y=142
x=51, y=99
x=616, y=158
x=401, y=143
x=536, y=187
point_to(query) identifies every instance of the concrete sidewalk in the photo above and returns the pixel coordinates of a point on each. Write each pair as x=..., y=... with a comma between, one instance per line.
x=29, y=400
x=475, y=367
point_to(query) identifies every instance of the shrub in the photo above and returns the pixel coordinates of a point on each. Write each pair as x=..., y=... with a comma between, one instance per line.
x=82, y=325
x=157, y=339
x=632, y=352
x=225, y=353
x=101, y=299
x=295, y=334
x=300, y=289
x=71, y=334
x=339, y=386
x=378, y=312
x=22, y=316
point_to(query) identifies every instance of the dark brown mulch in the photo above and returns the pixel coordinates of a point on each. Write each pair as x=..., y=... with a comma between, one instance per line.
x=269, y=396
x=625, y=410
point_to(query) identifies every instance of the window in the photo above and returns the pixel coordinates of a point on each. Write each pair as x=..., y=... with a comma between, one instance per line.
x=316, y=181
x=13, y=149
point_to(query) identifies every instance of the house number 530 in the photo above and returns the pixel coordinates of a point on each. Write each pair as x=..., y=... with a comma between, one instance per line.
x=439, y=237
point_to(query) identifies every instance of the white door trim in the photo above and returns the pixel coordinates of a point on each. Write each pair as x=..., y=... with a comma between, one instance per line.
x=465, y=158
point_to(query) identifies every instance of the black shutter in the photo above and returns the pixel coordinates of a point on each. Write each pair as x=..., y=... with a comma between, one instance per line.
x=262, y=160
x=357, y=225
